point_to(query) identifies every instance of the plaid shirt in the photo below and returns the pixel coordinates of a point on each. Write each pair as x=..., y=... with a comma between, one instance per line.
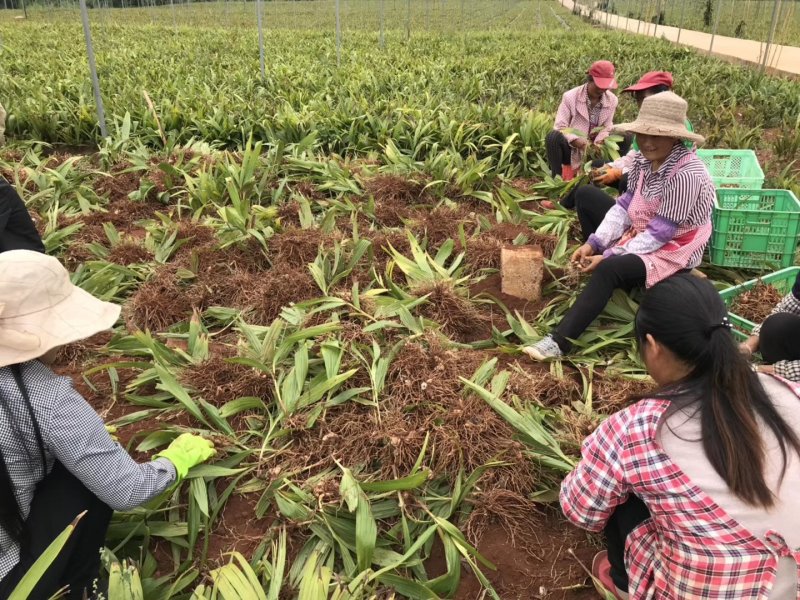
x=689, y=548
x=72, y=433
x=788, y=369
x=574, y=113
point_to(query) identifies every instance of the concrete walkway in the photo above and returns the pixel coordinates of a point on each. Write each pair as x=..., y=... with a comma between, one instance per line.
x=783, y=60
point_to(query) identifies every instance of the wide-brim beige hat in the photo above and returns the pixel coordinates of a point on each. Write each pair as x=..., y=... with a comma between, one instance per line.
x=40, y=308
x=662, y=114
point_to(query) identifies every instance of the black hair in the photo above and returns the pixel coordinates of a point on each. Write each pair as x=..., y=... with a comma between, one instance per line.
x=11, y=519
x=686, y=315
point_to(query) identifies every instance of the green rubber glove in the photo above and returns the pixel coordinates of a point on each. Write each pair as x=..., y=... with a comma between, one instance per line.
x=186, y=451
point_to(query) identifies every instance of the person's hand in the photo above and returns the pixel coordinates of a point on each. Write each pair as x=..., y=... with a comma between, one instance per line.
x=580, y=142
x=581, y=253
x=768, y=369
x=112, y=432
x=608, y=175
x=186, y=451
x=749, y=346
x=587, y=265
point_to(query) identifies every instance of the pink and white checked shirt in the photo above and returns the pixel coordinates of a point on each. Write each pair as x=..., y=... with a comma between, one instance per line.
x=690, y=547
x=573, y=113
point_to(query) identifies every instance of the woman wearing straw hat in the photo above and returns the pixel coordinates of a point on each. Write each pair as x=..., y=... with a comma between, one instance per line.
x=583, y=109
x=659, y=227
x=56, y=458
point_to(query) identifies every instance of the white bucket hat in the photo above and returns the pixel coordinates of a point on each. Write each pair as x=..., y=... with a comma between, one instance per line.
x=40, y=309
x=662, y=114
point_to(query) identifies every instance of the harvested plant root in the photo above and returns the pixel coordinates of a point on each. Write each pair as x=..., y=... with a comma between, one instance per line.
x=756, y=304
x=456, y=314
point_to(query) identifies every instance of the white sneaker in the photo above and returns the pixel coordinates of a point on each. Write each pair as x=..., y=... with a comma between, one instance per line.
x=545, y=349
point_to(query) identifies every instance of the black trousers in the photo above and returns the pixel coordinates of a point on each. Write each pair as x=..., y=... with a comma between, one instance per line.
x=59, y=498
x=591, y=204
x=616, y=272
x=627, y=517
x=558, y=151
x=779, y=338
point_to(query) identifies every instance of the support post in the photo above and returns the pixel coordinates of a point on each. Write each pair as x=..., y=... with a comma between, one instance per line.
x=680, y=26
x=382, y=41
x=260, y=19
x=87, y=34
x=716, y=24
x=338, y=36
x=776, y=11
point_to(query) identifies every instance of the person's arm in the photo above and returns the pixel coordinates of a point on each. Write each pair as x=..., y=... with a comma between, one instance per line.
x=77, y=438
x=788, y=304
x=598, y=485
x=788, y=369
x=564, y=117
x=608, y=118
x=2, y=125
x=614, y=225
x=624, y=163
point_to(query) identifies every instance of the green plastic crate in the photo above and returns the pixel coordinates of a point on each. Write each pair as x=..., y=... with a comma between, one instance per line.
x=754, y=229
x=733, y=168
x=782, y=280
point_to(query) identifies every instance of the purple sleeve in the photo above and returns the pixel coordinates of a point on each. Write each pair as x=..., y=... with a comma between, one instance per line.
x=659, y=231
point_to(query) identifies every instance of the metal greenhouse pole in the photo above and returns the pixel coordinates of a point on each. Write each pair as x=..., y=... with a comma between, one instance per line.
x=680, y=25
x=381, y=40
x=338, y=36
x=87, y=34
x=776, y=10
x=260, y=20
x=716, y=24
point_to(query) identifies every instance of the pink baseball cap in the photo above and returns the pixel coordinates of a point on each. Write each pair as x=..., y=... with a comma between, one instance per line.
x=602, y=73
x=651, y=79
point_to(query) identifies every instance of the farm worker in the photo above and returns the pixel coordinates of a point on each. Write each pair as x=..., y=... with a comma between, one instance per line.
x=17, y=231
x=696, y=484
x=2, y=125
x=659, y=227
x=583, y=109
x=591, y=203
x=56, y=457
x=778, y=337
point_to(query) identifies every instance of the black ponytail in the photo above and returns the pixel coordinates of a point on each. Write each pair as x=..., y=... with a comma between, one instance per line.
x=687, y=315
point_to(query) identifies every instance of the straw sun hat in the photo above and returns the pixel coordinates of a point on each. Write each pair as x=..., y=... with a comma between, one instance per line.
x=661, y=114
x=40, y=309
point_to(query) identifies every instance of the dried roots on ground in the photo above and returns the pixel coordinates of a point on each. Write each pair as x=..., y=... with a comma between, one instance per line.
x=757, y=303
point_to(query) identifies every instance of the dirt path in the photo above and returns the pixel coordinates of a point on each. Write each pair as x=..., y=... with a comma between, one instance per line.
x=783, y=60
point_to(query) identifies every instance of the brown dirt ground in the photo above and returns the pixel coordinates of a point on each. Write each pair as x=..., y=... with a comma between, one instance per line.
x=423, y=393
x=534, y=565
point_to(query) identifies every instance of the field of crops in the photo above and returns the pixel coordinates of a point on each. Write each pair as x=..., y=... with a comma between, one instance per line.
x=308, y=269
x=747, y=19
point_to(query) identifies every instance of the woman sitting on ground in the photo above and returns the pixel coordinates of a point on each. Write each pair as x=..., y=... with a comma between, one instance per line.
x=56, y=458
x=659, y=227
x=778, y=338
x=584, y=109
x=696, y=484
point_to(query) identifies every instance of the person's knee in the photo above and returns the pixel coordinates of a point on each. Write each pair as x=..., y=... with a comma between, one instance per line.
x=583, y=196
x=554, y=137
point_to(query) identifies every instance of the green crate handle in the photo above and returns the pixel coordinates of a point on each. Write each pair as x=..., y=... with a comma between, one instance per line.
x=783, y=280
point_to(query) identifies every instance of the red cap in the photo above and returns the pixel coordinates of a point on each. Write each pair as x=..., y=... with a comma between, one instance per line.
x=602, y=73
x=651, y=79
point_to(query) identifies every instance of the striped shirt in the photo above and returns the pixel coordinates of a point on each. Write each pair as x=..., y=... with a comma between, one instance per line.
x=574, y=113
x=74, y=434
x=686, y=195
